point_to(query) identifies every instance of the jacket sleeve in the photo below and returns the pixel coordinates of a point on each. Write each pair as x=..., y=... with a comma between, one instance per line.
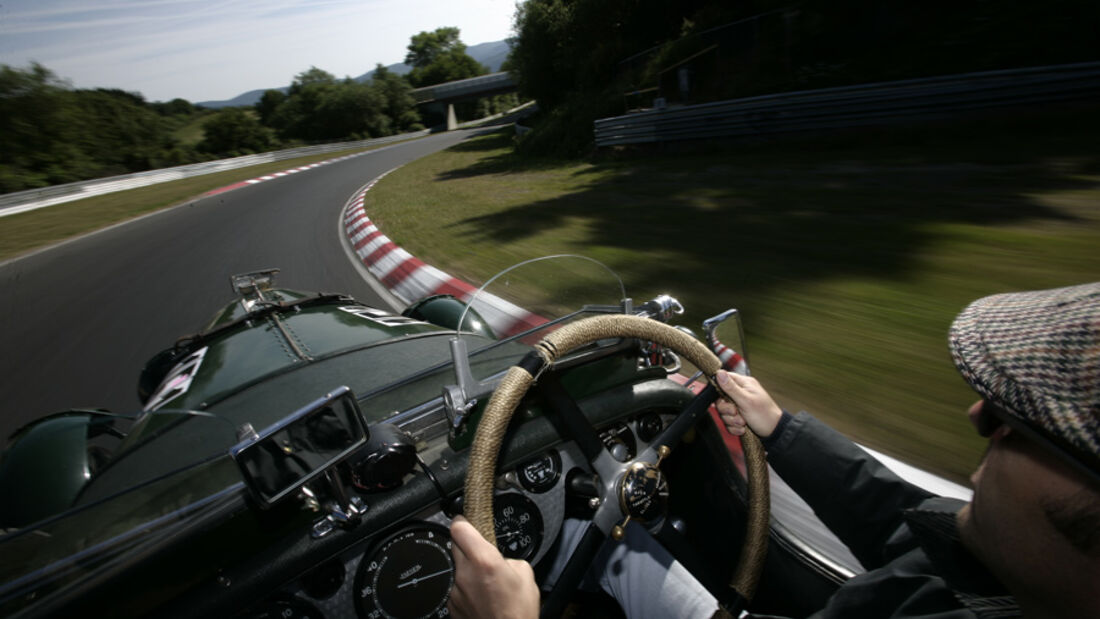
x=855, y=495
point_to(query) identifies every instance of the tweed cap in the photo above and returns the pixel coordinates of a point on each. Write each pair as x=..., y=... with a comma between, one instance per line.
x=1036, y=355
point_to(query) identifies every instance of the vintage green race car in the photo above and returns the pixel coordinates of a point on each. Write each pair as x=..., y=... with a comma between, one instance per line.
x=303, y=455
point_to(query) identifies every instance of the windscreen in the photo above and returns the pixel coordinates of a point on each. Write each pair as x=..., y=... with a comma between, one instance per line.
x=526, y=301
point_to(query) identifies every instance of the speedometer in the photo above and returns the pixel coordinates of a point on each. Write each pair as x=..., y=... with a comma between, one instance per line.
x=517, y=524
x=408, y=575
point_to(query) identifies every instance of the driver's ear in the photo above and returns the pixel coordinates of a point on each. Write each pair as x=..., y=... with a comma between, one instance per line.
x=985, y=417
x=1000, y=433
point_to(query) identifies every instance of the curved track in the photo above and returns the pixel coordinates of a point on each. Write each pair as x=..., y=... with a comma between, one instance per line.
x=78, y=321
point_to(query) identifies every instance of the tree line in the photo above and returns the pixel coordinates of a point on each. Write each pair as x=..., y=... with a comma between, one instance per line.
x=53, y=133
x=587, y=59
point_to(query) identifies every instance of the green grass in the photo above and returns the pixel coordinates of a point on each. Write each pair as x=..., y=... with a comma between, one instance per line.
x=28, y=231
x=848, y=255
x=191, y=133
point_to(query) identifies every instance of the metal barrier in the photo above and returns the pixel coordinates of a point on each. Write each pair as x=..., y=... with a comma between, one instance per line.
x=31, y=199
x=855, y=106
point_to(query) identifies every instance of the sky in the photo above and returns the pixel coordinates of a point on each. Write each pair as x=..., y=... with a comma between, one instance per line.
x=210, y=50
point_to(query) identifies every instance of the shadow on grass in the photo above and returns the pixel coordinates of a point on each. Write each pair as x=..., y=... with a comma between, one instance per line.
x=868, y=206
x=504, y=163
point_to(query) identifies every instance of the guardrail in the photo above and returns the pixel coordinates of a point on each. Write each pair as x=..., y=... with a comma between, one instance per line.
x=31, y=199
x=854, y=106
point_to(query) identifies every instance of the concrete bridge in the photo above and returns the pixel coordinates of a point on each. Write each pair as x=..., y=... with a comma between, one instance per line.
x=449, y=93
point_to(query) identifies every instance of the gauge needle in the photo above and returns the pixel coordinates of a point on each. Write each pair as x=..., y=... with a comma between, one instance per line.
x=424, y=577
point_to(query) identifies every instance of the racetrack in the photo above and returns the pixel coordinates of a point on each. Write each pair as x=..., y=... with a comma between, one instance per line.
x=79, y=320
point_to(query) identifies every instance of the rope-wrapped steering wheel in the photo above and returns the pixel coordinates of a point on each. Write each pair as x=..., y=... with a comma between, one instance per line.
x=490, y=432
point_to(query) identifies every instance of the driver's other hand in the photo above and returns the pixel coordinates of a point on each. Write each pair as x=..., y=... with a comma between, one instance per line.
x=750, y=405
x=487, y=584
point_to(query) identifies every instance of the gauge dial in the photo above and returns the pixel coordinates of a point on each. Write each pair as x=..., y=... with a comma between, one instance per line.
x=407, y=575
x=619, y=440
x=517, y=524
x=649, y=426
x=541, y=474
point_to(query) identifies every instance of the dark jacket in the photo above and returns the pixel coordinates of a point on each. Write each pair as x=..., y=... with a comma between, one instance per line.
x=904, y=536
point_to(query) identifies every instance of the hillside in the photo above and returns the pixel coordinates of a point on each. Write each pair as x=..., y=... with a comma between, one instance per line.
x=490, y=54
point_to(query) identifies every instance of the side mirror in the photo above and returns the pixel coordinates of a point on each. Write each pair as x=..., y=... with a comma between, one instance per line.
x=301, y=447
x=726, y=338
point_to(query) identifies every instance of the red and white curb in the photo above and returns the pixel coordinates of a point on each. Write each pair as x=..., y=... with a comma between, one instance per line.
x=410, y=279
x=269, y=177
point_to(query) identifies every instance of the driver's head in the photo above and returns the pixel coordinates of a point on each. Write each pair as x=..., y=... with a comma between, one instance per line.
x=1034, y=357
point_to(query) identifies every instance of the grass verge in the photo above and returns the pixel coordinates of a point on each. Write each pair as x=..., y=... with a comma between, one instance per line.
x=28, y=231
x=849, y=255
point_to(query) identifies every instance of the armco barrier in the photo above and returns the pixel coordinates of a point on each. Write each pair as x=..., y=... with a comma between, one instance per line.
x=48, y=196
x=855, y=106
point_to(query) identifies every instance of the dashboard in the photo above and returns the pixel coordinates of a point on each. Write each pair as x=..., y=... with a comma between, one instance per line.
x=407, y=571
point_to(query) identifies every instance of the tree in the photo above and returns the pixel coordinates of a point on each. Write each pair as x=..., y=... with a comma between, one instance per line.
x=312, y=78
x=440, y=56
x=353, y=110
x=296, y=117
x=54, y=134
x=541, y=51
x=426, y=47
x=36, y=117
x=175, y=107
x=318, y=107
x=233, y=131
x=396, y=93
x=268, y=103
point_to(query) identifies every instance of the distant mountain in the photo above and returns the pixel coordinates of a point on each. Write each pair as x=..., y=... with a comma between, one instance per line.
x=399, y=68
x=251, y=97
x=491, y=55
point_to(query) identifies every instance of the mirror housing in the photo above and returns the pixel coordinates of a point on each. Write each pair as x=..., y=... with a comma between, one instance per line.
x=301, y=447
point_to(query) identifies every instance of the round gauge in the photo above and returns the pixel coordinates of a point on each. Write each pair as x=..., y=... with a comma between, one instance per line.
x=541, y=474
x=518, y=525
x=649, y=426
x=407, y=575
x=619, y=440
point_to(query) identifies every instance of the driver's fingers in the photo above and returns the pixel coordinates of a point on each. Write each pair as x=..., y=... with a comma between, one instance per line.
x=735, y=424
x=470, y=546
x=726, y=384
x=730, y=416
x=466, y=541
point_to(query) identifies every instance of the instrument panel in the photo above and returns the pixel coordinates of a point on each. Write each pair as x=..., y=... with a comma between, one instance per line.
x=408, y=571
x=408, y=574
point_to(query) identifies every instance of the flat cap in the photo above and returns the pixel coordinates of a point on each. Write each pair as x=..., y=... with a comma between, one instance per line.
x=1036, y=355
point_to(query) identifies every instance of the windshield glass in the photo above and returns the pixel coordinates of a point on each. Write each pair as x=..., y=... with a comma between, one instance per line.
x=526, y=301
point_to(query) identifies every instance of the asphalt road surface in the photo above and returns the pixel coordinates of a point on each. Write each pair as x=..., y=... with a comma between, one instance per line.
x=79, y=321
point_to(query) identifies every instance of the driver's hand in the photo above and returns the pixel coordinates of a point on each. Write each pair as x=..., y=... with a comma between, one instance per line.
x=750, y=405
x=487, y=584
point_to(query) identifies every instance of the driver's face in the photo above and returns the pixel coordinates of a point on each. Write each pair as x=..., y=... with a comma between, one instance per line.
x=1005, y=524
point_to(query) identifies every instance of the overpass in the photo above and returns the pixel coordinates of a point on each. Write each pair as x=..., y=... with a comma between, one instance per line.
x=450, y=93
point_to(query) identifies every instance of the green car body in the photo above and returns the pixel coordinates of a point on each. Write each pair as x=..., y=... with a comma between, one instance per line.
x=83, y=509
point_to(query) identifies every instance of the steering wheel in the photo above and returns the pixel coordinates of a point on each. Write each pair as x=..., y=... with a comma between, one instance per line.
x=623, y=487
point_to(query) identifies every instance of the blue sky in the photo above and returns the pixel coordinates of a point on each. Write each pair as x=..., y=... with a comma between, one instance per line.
x=203, y=50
